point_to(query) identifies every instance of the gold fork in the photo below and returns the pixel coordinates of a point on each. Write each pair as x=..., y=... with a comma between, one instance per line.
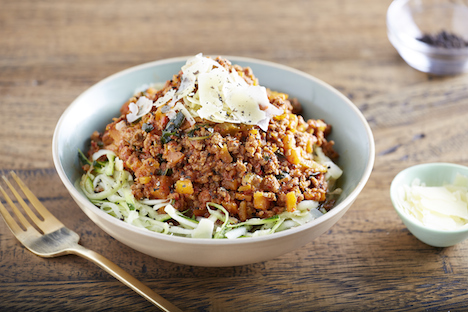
x=57, y=240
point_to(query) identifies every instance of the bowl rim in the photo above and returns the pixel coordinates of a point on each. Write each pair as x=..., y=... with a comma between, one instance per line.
x=412, y=42
x=206, y=242
x=403, y=215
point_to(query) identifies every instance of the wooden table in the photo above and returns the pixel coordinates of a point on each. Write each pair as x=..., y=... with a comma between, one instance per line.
x=51, y=51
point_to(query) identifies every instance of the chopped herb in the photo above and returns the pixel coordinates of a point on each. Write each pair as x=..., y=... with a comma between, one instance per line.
x=172, y=127
x=191, y=133
x=166, y=172
x=131, y=206
x=166, y=136
x=200, y=137
x=99, y=164
x=147, y=127
x=280, y=155
x=160, y=158
x=83, y=159
x=282, y=175
x=135, y=122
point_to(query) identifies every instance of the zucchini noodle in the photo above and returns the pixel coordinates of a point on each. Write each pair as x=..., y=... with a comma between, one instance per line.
x=108, y=186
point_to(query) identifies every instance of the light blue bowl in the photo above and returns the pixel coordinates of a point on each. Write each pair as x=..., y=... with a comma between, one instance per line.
x=432, y=174
x=93, y=109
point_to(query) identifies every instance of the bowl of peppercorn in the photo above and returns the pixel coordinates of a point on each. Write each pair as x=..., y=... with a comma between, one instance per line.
x=430, y=35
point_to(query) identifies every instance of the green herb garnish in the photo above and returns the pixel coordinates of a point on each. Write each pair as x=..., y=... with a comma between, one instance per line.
x=147, y=127
x=172, y=127
x=83, y=159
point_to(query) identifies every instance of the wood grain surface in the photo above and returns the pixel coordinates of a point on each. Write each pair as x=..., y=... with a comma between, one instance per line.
x=51, y=51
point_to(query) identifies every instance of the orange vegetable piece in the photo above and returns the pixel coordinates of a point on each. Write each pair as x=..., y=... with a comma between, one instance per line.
x=224, y=155
x=293, y=156
x=291, y=201
x=184, y=187
x=144, y=180
x=244, y=188
x=161, y=187
x=260, y=201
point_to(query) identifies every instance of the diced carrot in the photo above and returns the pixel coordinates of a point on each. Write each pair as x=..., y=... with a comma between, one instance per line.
x=260, y=201
x=279, y=117
x=241, y=196
x=293, y=122
x=243, y=213
x=310, y=146
x=224, y=155
x=289, y=141
x=184, y=187
x=283, y=96
x=144, y=180
x=231, y=207
x=293, y=156
x=291, y=201
x=244, y=188
x=161, y=187
x=321, y=125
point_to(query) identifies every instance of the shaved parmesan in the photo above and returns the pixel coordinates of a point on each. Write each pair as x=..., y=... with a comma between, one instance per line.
x=210, y=91
x=224, y=96
x=188, y=116
x=204, y=229
x=166, y=98
x=139, y=109
x=440, y=207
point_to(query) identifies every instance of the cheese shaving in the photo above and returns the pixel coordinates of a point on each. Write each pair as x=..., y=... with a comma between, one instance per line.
x=139, y=109
x=211, y=92
x=439, y=207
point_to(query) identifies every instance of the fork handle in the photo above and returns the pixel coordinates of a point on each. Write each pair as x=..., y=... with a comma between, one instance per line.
x=125, y=278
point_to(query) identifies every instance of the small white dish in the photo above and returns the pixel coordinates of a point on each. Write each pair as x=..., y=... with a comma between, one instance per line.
x=432, y=174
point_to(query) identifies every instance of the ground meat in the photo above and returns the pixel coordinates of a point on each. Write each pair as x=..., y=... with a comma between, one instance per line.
x=247, y=170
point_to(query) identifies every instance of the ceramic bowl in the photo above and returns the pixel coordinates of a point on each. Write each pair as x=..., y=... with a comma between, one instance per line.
x=432, y=174
x=93, y=109
x=408, y=20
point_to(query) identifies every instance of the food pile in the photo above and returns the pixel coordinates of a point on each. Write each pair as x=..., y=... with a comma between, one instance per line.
x=212, y=154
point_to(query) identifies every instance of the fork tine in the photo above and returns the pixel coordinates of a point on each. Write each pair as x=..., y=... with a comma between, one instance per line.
x=14, y=227
x=50, y=223
x=26, y=208
x=20, y=216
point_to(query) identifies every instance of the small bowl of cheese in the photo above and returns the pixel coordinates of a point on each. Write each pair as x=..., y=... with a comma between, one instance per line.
x=432, y=201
